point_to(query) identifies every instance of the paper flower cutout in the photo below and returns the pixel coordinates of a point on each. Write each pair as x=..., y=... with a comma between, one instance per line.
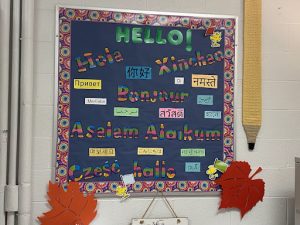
x=217, y=166
x=212, y=172
x=69, y=207
x=238, y=189
x=215, y=38
x=122, y=191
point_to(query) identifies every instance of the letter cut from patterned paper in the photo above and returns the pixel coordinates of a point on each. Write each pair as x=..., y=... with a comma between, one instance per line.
x=238, y=189
x=69, y=207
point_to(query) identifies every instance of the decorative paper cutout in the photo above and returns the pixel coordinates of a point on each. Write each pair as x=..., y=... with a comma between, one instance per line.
x=98, y=152
x=105, y=169
x=252, y=77
x=217, y=166
x=155, y=96
x=91, y=61
x=173, y=37
x=238, y=189
x=220, y=165
x=69, y=207
x=216, y=38
x=122, y=192
x=87, y=84
x=169, y=66
x=204, y=81
x=212, y=172
x=128, y=179
x=210, y=30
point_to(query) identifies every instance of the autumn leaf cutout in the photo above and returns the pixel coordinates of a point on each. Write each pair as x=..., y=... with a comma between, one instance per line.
x=69, y=207
x=238, y=189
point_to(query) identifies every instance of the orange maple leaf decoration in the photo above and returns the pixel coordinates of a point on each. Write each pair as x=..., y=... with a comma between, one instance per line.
x=69, y=207
x=238, y=189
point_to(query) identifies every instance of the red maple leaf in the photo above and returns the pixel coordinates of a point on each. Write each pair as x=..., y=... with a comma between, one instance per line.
x=69, y=207
x=238, y=189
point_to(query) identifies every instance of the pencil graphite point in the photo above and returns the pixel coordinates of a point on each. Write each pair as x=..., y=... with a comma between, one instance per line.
x=251, y=146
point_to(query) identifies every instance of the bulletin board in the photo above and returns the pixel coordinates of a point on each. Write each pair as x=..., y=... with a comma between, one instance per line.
x=143, y=93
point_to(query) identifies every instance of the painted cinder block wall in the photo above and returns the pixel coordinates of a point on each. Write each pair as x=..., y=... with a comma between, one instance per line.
x=278, y=142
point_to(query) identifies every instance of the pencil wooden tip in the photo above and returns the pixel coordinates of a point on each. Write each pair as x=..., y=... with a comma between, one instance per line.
x=251, y=146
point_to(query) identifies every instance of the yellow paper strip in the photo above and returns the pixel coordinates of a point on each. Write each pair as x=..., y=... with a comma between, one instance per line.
x=252, y=70
x=204, y=81
x=101, y=152
x=87, y=84
x=150, y=151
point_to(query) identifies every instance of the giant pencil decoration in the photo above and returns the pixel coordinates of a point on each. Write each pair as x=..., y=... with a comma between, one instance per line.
x=252, y=71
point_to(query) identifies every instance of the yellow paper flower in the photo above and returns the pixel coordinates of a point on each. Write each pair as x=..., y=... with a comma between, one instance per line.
x=122, y=191
x=211, y=170
x=215, y=38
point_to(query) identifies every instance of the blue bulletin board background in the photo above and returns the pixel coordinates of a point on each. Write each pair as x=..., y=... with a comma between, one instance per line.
x=86, y=34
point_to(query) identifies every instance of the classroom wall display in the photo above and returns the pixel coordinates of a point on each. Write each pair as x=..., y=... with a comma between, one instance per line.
x=144, y=93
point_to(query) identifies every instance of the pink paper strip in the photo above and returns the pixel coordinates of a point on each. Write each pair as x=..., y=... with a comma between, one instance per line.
x=171, y=113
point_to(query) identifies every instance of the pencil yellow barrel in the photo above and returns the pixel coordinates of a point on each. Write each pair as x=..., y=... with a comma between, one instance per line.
x=252, y=100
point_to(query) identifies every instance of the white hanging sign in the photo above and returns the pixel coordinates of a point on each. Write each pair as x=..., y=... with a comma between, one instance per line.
x=161, y=221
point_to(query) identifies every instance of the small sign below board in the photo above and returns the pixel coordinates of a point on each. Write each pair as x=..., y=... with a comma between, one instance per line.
x=161, y=221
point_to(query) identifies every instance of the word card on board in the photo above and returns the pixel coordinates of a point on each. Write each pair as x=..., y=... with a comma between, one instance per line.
x=145, y=94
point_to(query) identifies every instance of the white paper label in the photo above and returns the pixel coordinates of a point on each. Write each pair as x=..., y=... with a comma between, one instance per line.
x=162, y=221
x=95, y=101
x=179, y=80
x=128, y=179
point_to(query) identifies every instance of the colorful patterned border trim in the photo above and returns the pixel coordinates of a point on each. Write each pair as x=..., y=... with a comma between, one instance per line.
x=66, y=16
